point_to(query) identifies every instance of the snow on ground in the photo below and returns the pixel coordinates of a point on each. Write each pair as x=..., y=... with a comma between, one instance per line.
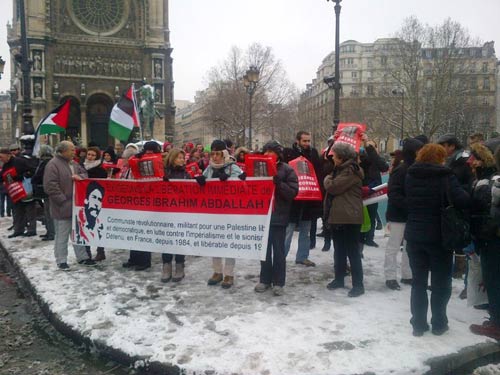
x=309, y=330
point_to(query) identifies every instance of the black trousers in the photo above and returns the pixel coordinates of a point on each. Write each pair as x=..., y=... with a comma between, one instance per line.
x=167, y=258
x=312, y=233
x=490, y=265
x=425, y=258
x=346, y=245
x=273, y=269
x=140, y=258
x=24, y=215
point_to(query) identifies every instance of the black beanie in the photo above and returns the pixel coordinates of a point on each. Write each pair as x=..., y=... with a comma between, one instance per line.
x=152, y=146
x=218, y=145
x=274, y=146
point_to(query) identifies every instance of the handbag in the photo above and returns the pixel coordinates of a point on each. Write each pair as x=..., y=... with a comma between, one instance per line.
x=455, y=228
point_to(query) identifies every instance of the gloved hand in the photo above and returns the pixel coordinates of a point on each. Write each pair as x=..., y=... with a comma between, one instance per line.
x=242, y=176
x=223, y=176
x=165, y=178
x=276, y=179
x=201, y=180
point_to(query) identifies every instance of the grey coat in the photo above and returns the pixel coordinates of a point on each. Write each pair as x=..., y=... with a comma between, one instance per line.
x=58, y=185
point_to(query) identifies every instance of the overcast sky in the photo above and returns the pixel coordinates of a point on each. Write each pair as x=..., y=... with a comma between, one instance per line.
x=301, y=32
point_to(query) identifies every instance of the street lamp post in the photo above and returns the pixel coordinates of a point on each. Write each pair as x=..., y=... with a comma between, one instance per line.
x=250, y=80
x=337, y=86
x=23, y=60
x=400, y=91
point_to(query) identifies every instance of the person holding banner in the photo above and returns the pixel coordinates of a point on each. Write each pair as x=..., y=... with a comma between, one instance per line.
x=345, y=216
x=58, y=178
x=373, y=164
x=273, y=269
x=174, y=170
x=141, y=260
x=303, y=212
x=221, y=166
x=15, y=170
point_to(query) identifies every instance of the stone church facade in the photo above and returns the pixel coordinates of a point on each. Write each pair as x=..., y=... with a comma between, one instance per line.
x=91, y=51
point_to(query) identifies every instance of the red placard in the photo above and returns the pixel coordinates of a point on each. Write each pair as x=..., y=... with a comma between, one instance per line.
x=309, y=189
x=260, y=165
x=148, y=166
x=350, y=133
x=15, y=189
x=193, y=169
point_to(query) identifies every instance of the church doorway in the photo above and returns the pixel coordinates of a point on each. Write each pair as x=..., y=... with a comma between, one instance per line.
x=74, y=129
x=98, y=111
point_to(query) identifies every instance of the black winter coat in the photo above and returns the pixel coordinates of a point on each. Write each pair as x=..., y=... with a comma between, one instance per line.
x=177, y=173
x=397, y=210
x=458, y=165
x=426, y=195
x=372, y=164
x=287, y=187
x=306, y=210
x=37, y=179
x=25, y=167
x=97, y=172
x=484, y=226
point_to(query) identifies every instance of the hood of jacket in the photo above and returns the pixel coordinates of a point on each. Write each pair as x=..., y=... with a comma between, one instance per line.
x=410, y=148
x=427, y=170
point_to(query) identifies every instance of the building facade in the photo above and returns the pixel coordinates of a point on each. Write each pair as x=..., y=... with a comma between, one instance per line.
x=370, y=87
x=90, y=52
x=6, y=135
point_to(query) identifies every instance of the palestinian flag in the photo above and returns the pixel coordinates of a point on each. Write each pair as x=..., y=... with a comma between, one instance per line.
x=56, y=121
x=124, y=116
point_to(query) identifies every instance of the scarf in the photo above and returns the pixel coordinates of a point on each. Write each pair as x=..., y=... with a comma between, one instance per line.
x=91, y=164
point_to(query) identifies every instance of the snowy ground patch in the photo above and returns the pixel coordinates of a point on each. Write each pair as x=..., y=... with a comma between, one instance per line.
x=309, y=330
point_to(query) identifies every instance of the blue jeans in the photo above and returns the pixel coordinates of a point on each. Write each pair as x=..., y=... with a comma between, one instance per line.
x=304, y=242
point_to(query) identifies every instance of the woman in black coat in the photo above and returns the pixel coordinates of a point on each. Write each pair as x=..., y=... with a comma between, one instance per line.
x=273, y=269
x=175, y=169
x=425, y=187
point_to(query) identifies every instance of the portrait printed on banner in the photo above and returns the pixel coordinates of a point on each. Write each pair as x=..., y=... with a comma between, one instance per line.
x=88, y=225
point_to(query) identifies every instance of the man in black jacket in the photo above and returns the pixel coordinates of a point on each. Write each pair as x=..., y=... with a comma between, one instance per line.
x=273, y=269
x=303, y=212
x=397, y=214
x=373, y=164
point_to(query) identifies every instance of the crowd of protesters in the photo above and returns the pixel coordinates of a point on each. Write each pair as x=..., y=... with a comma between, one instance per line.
x=424, y=178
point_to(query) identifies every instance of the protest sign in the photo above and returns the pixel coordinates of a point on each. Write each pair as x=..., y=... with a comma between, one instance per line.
x=379, y=194
x=309, y=189
x=350, y=133
x=223, y=218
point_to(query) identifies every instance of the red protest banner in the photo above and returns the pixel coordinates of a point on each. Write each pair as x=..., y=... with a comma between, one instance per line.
x=223, y=218
x=309, y=189
x=350, y=133
x=260, y=165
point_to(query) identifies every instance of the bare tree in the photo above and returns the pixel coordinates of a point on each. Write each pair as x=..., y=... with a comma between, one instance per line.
x=426, y=66
x=227, y=100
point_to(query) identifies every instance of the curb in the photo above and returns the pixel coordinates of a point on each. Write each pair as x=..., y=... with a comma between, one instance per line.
x=141, y=364
x=463, y=362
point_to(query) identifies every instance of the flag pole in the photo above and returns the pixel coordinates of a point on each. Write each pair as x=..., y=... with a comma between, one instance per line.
x=136, y=110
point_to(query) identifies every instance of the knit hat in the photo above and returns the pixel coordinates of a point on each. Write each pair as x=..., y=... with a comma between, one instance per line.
x=218, y=145
x=422, y=138
x=133, y=145
x=152, y=146
x=451, y=139
x=275, y=147
x=14, y=147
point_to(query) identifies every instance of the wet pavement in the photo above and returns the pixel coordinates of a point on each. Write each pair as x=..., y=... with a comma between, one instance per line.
x=29, y=344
